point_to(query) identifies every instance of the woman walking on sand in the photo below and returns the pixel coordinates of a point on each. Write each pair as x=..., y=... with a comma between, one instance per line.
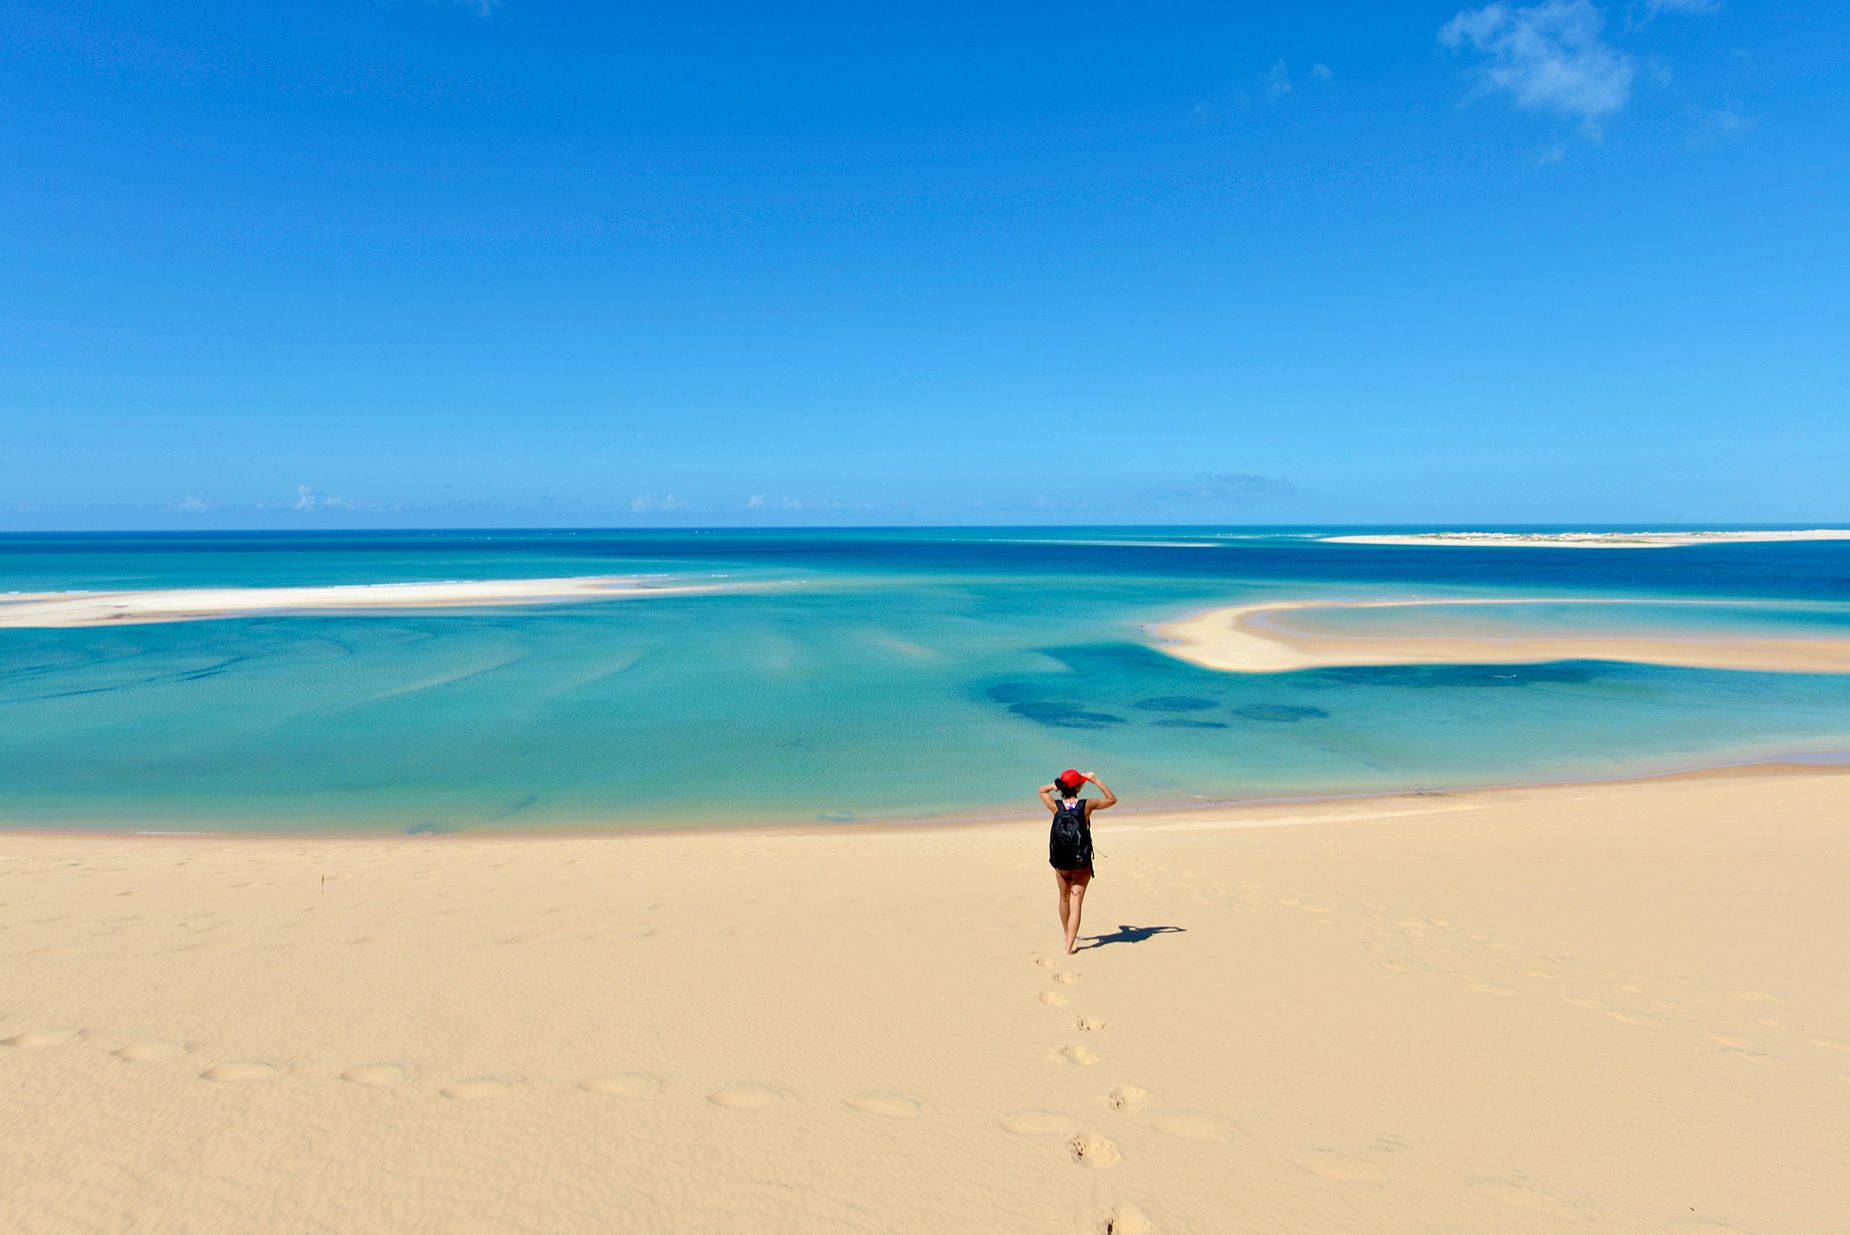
x=1069, y=842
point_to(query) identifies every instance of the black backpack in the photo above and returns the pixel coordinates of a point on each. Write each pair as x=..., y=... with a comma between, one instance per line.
x=1069, y=841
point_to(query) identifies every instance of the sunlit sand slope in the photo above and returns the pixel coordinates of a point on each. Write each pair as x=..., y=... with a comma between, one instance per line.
x=1616, y=1009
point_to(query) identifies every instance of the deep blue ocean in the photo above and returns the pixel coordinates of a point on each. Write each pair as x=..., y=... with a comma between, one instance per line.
x=902, y=674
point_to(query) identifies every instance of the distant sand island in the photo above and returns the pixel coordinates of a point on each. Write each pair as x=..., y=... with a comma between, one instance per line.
x=1585, y=540
x=59, y=609
x=1260, y=638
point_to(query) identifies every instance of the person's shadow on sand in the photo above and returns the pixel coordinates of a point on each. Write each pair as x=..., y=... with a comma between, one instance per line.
x=1128, y=934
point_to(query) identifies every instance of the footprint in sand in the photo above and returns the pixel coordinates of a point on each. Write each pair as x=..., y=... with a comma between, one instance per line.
x=1625, y=1017
x=1344, y=1168
x=1078, y=1055
x=1066, y=979
x=1125, y=1220
x=1053, y=997
x=1093, y=1151
x=1757, y=1057
x=1089, y=1024
x=623, y=1085
x=482, y=1088
x=1127, y=1098
x=39, y=1039
x=1533, y=1200
x=745, y=1097
x=1193, y=1126
x=1036, y=1123
x=377, y=1075
x=143, y=1052
x=242, y=1072
x=892, y=1105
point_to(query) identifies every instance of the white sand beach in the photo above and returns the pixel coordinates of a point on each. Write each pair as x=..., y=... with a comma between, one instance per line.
x=1612, y=1008
x=1584, y=540
x=56, y=609
x=1261, y=638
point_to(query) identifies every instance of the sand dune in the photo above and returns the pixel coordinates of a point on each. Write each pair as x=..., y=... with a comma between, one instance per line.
x=1613, y=1008
x=43, y=609
x=1260, y=638
x=1584, y=540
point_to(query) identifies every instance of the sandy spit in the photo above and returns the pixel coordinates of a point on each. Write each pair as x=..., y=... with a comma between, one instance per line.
x=1259, y=638
x=48, y=609
x=1585, y=540
x=1615, y=1008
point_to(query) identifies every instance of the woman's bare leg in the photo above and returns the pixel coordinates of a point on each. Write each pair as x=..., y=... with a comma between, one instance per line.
x=1075, y=899
x=1060, y=886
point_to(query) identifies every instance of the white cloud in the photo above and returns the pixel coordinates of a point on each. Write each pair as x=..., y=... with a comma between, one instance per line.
x=1721, y=124
x=194, y=503
x=648, y=503
x=1730, y=120
x=1278, y=79
x=1549, y=56
x=762, y=501
x=309, y=499
x=1320, y=72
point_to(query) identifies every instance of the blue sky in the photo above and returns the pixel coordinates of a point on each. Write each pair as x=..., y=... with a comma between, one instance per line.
x=428, y=263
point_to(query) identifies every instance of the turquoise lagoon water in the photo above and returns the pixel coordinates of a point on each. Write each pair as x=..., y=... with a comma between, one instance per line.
x=890, y=675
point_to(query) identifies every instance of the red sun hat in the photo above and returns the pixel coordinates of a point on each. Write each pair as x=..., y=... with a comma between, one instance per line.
x=1072, y=778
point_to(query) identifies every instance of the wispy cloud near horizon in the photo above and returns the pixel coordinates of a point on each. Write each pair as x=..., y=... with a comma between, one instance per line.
x=1224, y=487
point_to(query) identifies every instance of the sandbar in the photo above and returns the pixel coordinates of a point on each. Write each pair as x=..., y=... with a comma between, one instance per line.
x=1584, y=540
x=57, y=609
x=1615, y=1008
x=1259, y=638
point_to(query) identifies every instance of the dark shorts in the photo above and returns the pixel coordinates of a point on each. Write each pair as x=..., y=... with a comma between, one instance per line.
x=1072, y=876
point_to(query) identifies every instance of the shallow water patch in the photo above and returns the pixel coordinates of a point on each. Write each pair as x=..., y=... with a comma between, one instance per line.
x=1174, y=703
x=1280, y=713
x=1062, y=715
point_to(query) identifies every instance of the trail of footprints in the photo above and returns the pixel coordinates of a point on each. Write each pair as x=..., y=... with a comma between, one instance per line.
x=1408, y=943
x=390, y=1076
x=1393, y=944
x=1440, y=937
